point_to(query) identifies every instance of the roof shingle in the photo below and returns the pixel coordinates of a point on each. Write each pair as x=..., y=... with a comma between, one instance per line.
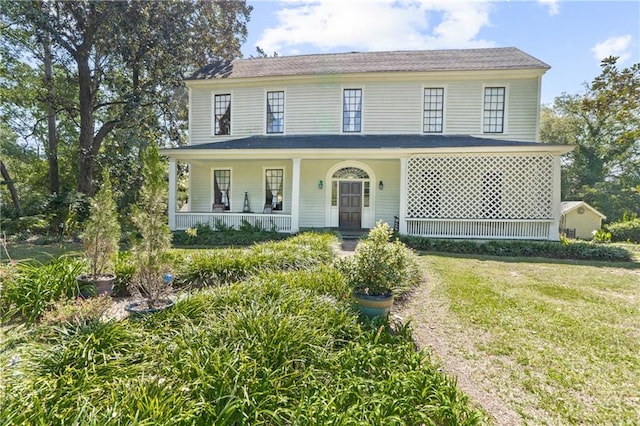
x=505, y=58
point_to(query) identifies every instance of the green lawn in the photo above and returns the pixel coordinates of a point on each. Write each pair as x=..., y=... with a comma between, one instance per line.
x=40, y=252
x=562, y=338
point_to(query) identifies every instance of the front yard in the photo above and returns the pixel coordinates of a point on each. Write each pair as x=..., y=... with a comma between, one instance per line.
x=554, y=342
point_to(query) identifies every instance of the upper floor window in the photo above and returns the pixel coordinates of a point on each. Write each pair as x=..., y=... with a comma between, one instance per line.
x=433, y=110
x=273, y=188
x=222, y=114
x=352, y=110
x=275, y=112
x=493, y=118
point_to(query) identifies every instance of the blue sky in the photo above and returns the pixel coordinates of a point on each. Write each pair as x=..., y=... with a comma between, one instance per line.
x=571, y=36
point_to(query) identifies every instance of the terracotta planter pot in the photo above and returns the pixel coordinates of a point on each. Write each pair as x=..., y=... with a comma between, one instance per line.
x=373, y=306
x=91, y=287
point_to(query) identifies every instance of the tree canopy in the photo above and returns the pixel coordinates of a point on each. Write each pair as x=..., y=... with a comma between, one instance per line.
x=604, y=124
x=116, y=71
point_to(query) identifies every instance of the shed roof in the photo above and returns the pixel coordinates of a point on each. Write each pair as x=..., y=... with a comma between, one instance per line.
x=569, y=206
x=503, y=58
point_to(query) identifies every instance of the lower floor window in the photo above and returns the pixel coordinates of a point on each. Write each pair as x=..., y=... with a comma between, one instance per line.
x=273, y=188
x=221, y=186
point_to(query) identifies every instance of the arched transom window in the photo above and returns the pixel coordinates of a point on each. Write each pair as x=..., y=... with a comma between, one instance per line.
x=350, y=173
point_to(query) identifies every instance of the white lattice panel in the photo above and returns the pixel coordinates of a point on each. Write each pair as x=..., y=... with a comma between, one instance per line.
x=480, y=187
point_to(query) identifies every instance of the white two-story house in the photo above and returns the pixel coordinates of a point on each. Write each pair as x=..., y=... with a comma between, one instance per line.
x=442, y=143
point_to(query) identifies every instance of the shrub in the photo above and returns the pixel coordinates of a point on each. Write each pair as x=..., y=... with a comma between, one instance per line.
x=551, y=249
x=101, y=234
x=627, y=231
x=32, y=286
x=150, y=251
x=203, y=236
x=380, y=265
x=218, y=267
x=78, y=312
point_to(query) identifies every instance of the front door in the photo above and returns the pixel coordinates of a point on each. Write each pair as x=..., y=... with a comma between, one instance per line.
x=350, y=210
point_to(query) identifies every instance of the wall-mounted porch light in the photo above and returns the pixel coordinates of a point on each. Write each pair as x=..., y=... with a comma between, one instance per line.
x=381, y=186
x=320, y=184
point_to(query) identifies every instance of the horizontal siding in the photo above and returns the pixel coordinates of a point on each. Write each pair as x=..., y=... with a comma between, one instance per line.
x=388, y=108
x=392, y=108
x=248, y=176
x=312, y=109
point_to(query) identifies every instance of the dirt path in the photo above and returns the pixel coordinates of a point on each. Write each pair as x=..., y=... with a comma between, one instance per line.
x=434, y=328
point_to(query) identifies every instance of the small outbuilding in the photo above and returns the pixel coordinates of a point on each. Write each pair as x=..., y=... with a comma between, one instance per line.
x=578, y=219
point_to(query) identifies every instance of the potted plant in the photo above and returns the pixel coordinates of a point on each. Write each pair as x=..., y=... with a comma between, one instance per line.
x=377, y=268
x=101, y=239
x=151, y=282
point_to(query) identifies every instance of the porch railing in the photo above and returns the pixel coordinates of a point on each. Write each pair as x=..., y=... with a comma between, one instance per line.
x=537, y=229
x=279, y=222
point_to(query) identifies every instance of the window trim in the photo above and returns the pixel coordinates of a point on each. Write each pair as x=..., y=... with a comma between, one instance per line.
x=284, y=112
x=213, y=113
x=212, y=193
x=505, y=111
x=444, y=108
x=342, y=92
x=284, y=181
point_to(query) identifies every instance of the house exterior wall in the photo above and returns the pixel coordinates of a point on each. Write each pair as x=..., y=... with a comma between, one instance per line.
x=248, y=175
x=388, y=106
x=584, y=224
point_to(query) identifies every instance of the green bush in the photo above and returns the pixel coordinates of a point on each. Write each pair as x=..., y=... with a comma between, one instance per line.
x=218, y=267
x=577, y=250
x=29, y=288
x=380, y=265
x=627, y=231
x=204, y=236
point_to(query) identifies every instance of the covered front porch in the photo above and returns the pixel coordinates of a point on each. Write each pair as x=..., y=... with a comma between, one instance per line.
x=443, y=187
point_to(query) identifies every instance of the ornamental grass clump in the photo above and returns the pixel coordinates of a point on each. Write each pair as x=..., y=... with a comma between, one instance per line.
x=380, y=265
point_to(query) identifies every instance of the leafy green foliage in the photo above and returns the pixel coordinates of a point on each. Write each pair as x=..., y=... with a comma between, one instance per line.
x=30, y=287
x=604, y=124
x=625, y=231
x=556, y=250
x=204, y=236
x=274, y=350
x=218, y=267
x=150, y=250
x=380, y=265
x=101, y=236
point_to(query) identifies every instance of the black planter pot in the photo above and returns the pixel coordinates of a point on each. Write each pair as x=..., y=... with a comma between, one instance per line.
x=373, y=305
x=141, y=309
x=90, y=286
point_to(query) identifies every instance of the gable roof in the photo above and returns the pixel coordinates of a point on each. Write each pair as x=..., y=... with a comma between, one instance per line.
x=343, y=141
x=569, y=206
x=504, y=58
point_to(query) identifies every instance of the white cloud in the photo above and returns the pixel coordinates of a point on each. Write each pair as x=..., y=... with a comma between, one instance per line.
x=613, y=46
x=553, y=5
x=377, y=25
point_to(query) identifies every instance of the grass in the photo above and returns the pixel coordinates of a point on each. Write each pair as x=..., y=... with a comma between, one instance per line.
x=38, y=252
x=280, y=348
x=562, y=339
x=259, y=345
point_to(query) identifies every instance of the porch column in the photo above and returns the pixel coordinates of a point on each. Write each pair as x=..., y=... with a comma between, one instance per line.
x=402, y=214
x=295, y=196
x=172, y=194
x=554, y=232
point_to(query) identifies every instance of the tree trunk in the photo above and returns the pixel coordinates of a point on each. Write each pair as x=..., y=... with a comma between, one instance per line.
x=12, y=188
x=86, y=159
x=52, y=146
